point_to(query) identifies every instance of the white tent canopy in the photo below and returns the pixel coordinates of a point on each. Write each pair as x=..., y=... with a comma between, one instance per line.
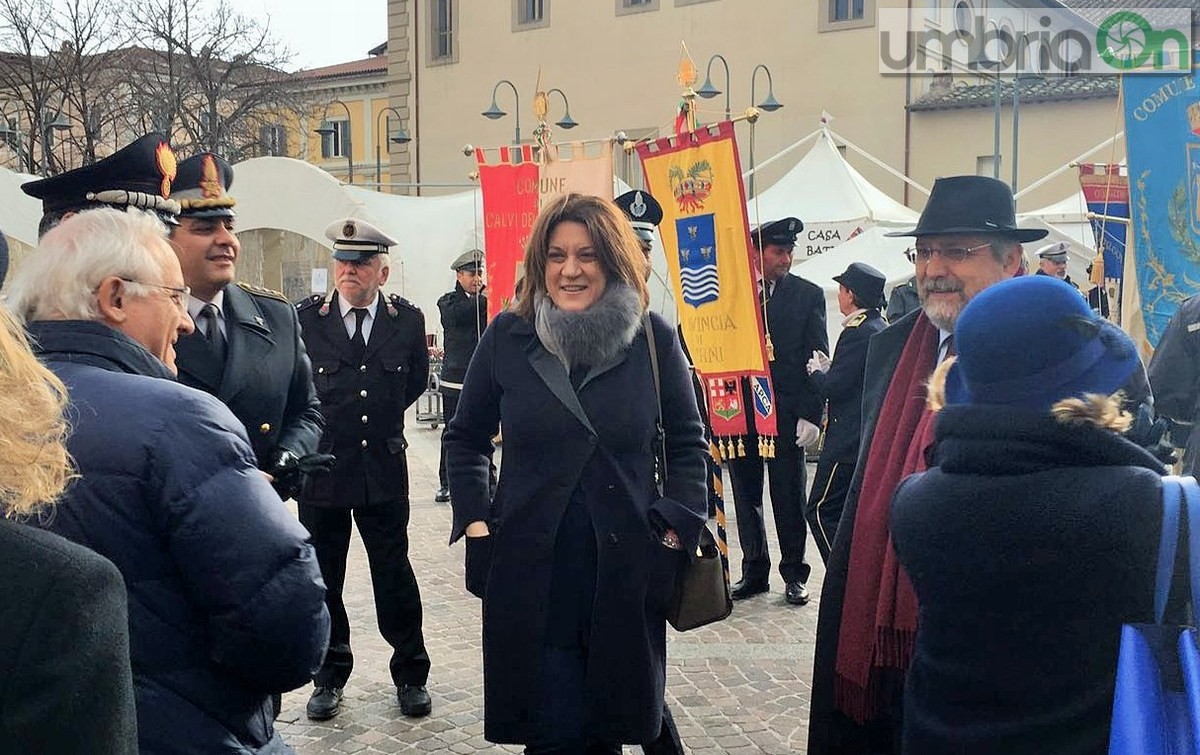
x=19, y=212
x=830, y=197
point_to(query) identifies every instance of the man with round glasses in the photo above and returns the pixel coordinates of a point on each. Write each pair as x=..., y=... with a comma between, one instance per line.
x=966, y=240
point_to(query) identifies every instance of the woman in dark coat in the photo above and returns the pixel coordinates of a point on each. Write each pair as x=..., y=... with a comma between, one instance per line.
x=576, y=554
x=1036, y=535
x=65, y=680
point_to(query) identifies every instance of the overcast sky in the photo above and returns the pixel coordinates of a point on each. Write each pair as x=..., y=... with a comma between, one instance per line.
x=323, y=32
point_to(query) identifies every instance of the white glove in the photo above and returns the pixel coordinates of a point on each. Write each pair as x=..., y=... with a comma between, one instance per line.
x=819, y=362
x=806, y=433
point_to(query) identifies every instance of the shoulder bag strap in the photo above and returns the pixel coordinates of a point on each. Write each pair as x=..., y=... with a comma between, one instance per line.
x=1191, y=496
x=1173, y=491
x=661, y=452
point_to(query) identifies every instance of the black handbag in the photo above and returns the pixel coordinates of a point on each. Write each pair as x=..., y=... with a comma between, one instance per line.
x=700, y=594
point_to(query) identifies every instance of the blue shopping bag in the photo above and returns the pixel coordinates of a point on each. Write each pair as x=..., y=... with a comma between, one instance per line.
x=1156, y=710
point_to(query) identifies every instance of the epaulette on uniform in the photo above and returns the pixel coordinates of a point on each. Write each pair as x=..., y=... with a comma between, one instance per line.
x=857, y=320
x=395, y=302
x=310, y=301
x=260, y=291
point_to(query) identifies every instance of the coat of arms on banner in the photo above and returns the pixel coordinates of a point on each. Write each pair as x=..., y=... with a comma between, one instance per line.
x=764, y=404
x=691, y=188
x=697, y=237
x=725, y=398
x=1193, y=183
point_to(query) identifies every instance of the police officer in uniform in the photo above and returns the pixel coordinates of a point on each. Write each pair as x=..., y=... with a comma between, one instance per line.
x=371, y=363
x=795, y=316
x=464, y=318
x=140, y=174
x=860, y=296
x=246, y=349
x=1052, y=261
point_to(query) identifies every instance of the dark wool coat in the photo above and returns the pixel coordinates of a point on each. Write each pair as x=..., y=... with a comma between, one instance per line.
x=796, y=317
x=842, y=387
x=65, y=683
x=226, y=602
x=363, y=401
x=598, y=443
x=828, y=731
x=1028, y=546
x=266, y=379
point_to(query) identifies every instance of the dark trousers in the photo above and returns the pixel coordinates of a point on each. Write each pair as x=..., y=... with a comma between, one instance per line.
x=561, y=712
x=449, y=406
x=668, y=742
x=831, y=482
x=786, y=475
x=384, y=531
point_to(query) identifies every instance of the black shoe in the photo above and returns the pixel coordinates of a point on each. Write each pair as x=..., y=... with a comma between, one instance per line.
x=414, y=700
x=325, y=703
x=442, y=495
x=796, y=593
x=749, y=588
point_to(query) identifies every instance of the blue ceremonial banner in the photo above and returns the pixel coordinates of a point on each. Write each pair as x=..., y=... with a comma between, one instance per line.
x=1162, y=134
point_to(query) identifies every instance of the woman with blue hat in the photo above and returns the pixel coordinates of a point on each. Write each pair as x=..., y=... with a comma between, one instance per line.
x=1034, y=538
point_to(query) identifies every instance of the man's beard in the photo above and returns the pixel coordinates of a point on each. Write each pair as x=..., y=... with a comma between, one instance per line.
x=942, y=312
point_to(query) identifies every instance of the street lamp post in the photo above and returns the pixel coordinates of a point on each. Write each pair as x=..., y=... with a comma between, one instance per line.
x=707, y=90
x=494, y=112
x=329, y=131
x=566, y=122
x=769, y=104
x=401, y=137
x=1016, y=118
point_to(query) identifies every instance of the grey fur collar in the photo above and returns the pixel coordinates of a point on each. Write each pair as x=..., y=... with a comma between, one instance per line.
x=594, y=336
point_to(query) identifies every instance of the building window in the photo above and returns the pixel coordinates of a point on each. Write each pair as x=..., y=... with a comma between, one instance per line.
x=530, y=14
x=835, y=15
x=443, y=46
x=625, y=7
x=273, y=139
x=334, y=144
x=987, y=165
x=846, y=10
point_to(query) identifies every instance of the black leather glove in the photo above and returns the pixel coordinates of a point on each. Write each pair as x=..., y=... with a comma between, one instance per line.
x=290, y=470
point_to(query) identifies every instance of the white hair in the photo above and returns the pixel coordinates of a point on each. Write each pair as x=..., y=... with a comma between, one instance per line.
x=59, y=280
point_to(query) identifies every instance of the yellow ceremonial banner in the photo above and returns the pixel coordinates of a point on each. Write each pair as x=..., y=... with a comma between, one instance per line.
x=697, y=178
x=568, y=168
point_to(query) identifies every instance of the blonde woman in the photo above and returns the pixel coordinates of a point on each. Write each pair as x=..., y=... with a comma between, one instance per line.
x=1035, y=536
x=65, y=683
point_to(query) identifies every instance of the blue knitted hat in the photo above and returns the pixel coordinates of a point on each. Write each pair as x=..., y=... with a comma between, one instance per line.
x=1032, y=341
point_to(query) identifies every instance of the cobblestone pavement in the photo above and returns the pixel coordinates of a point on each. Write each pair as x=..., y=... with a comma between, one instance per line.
x=739, y=686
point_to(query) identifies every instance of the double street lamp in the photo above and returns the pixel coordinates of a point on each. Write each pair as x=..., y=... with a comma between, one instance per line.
x=328, y=131
x=540, y=103
x=400, y=137
x=769, y=103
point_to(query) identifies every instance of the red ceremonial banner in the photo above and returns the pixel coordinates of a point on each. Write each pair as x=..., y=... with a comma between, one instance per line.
x=510, y=206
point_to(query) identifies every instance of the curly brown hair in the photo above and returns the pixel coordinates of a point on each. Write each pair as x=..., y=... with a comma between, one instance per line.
x=616, y=245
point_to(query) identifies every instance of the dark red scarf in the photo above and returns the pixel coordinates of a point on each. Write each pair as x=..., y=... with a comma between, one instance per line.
x=879, y=610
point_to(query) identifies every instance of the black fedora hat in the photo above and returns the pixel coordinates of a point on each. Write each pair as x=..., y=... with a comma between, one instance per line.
x=865, y=282
x=971, y=204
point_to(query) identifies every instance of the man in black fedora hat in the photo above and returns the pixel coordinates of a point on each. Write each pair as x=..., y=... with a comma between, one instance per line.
x=966, y=239
x=139, y=175
x=860, y=297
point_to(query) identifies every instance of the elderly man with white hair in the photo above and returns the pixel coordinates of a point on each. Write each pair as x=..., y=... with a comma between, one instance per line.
x=226, y=602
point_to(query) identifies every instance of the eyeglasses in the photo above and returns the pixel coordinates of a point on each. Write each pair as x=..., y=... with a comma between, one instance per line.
x=178, y=295
x=922, y=254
